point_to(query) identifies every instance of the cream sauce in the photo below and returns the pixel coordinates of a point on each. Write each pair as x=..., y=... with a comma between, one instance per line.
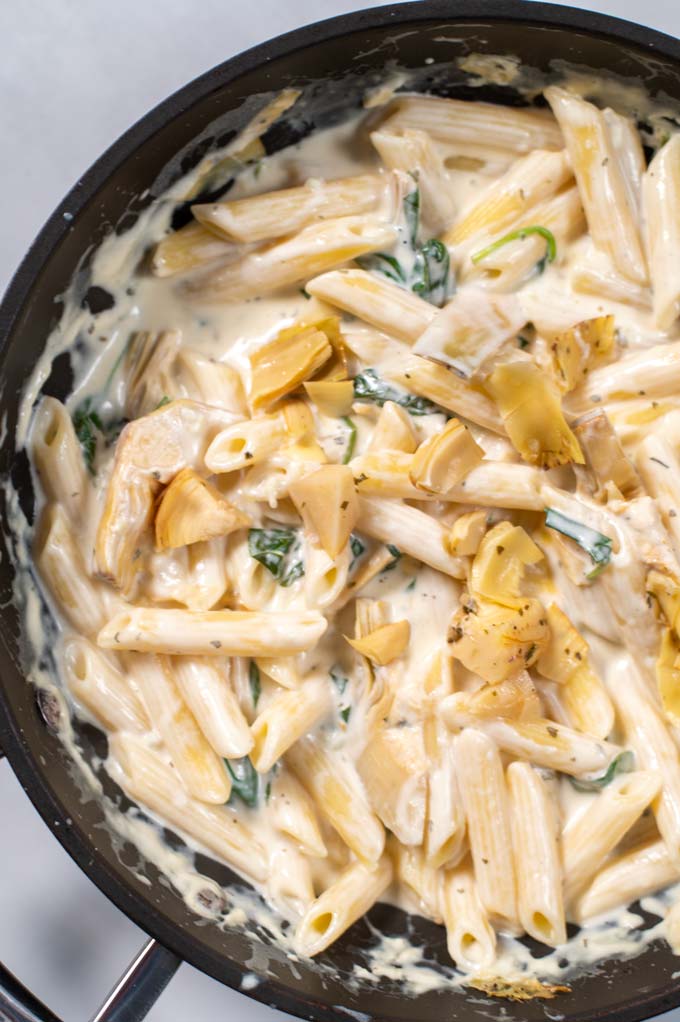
x=226, y=334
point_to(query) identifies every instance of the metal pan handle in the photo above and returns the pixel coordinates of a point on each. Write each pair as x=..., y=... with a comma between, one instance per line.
x=130, y=1000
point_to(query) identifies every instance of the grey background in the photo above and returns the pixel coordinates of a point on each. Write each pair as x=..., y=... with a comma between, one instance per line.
x=74, y=74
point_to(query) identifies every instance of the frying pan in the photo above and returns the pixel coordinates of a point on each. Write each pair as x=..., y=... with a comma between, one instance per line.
x=333, y=62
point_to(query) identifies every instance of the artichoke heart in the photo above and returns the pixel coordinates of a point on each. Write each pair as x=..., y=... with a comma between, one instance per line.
x=529, y=403
x=668, y=675
x=443, y=460
x=566, y=651
x=579, y=349
x=279, y=366
x=466, y=533
x=498, y=567
x=666, y=590
x=514, y=699
x=327, y=503
x=191, y=510
x=385, y=644
x=498, y=642
x=393, y=431
x=332, y=397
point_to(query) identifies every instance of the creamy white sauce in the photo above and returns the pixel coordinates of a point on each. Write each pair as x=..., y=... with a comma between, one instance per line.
x=226, y=334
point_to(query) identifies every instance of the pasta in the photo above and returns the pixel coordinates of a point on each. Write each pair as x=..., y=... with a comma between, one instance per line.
x=361, y=533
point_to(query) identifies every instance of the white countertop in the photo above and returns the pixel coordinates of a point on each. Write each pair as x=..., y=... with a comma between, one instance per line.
x=73, y=76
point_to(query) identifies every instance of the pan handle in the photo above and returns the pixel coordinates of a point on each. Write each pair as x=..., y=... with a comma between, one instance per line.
x=131, y=999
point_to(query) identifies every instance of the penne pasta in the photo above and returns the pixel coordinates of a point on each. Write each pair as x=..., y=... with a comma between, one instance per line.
x=470, y=938
x=286, y=718
x=101, y=688
x=205, y=687
x=58, y=458
x=661, y=203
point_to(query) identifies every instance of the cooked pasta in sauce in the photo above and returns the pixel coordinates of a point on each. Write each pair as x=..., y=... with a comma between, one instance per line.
x=362, y=530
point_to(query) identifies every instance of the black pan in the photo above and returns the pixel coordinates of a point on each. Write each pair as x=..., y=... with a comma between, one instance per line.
x=333, y=62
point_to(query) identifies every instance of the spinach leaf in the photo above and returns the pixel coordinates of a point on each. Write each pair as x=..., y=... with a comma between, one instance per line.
x=295, y=571
x=244, y=781
x=255, y=683
x=396, y=557
x=368, y=386
x=595, y=544
x=380, y=262
x=432, y=271
x=621, y=764
x=344, y=713
x=520, y=235
x=269, y=547
x=411, y=207
x=357, y=548
x=87, y=424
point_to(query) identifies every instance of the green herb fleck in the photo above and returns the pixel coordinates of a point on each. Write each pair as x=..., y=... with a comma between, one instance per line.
x=411, y=586
x=87, y=423
x=597, y=546
x=305, y=293
x=345, y=713
x=165, y=400
x=255, y=683
x=523, y=342
x=520, y=235
x=339, y=679
x=268, y=791
x=244, y=781
x=621, y=764
x=351, y=440
x=396, y=557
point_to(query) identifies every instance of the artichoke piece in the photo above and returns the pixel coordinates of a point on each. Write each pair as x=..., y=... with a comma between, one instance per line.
x=149, y=366
x=444, y=459
x=336, y=369
x=498, y=642
x=579, y=349
x=282, y=364
x=393, y=431
x=516, y=989
x=466, y=534
x=385, y=644
x=498, y=567
x=668, y=675
x=332, y=397
x=605, y=457
x=191, y=510
x=327, y=503
x=529, y=404
x=514, y=699
x=566, y=650
x=369, y=615
x=666, y=590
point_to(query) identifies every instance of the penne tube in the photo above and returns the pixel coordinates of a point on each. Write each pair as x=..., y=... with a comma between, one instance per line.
x=542, y=742
x=603, y=177
x=537, y=857
x=290, y=880
x=445, y=824
x=413, y=152
x=470, y=938
x=605, y=282
x=661, y=203
x=293, y=814
x=325, y=577
x=206, y=689
x=422, y=880
x=393, y=431
x=199, y=766
x=376, y=301
x=152, y=782
x=288, y=716
x=462, y=122
x=274, y=214
x=246, y=443
x=485, y=798
x=211, y=382
x=212, y=632
x=505, y=203
x=190, y=248
x=58, y=458
x=588, y=839
x=506, y=268
x=347, y=899
x=101, y=688
x=659, y=467
x=317, y=248
x=414, y=532
x=339, y=796
x=58, y=557
x=651, y=372
x=655, y=751
x=638, y=872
